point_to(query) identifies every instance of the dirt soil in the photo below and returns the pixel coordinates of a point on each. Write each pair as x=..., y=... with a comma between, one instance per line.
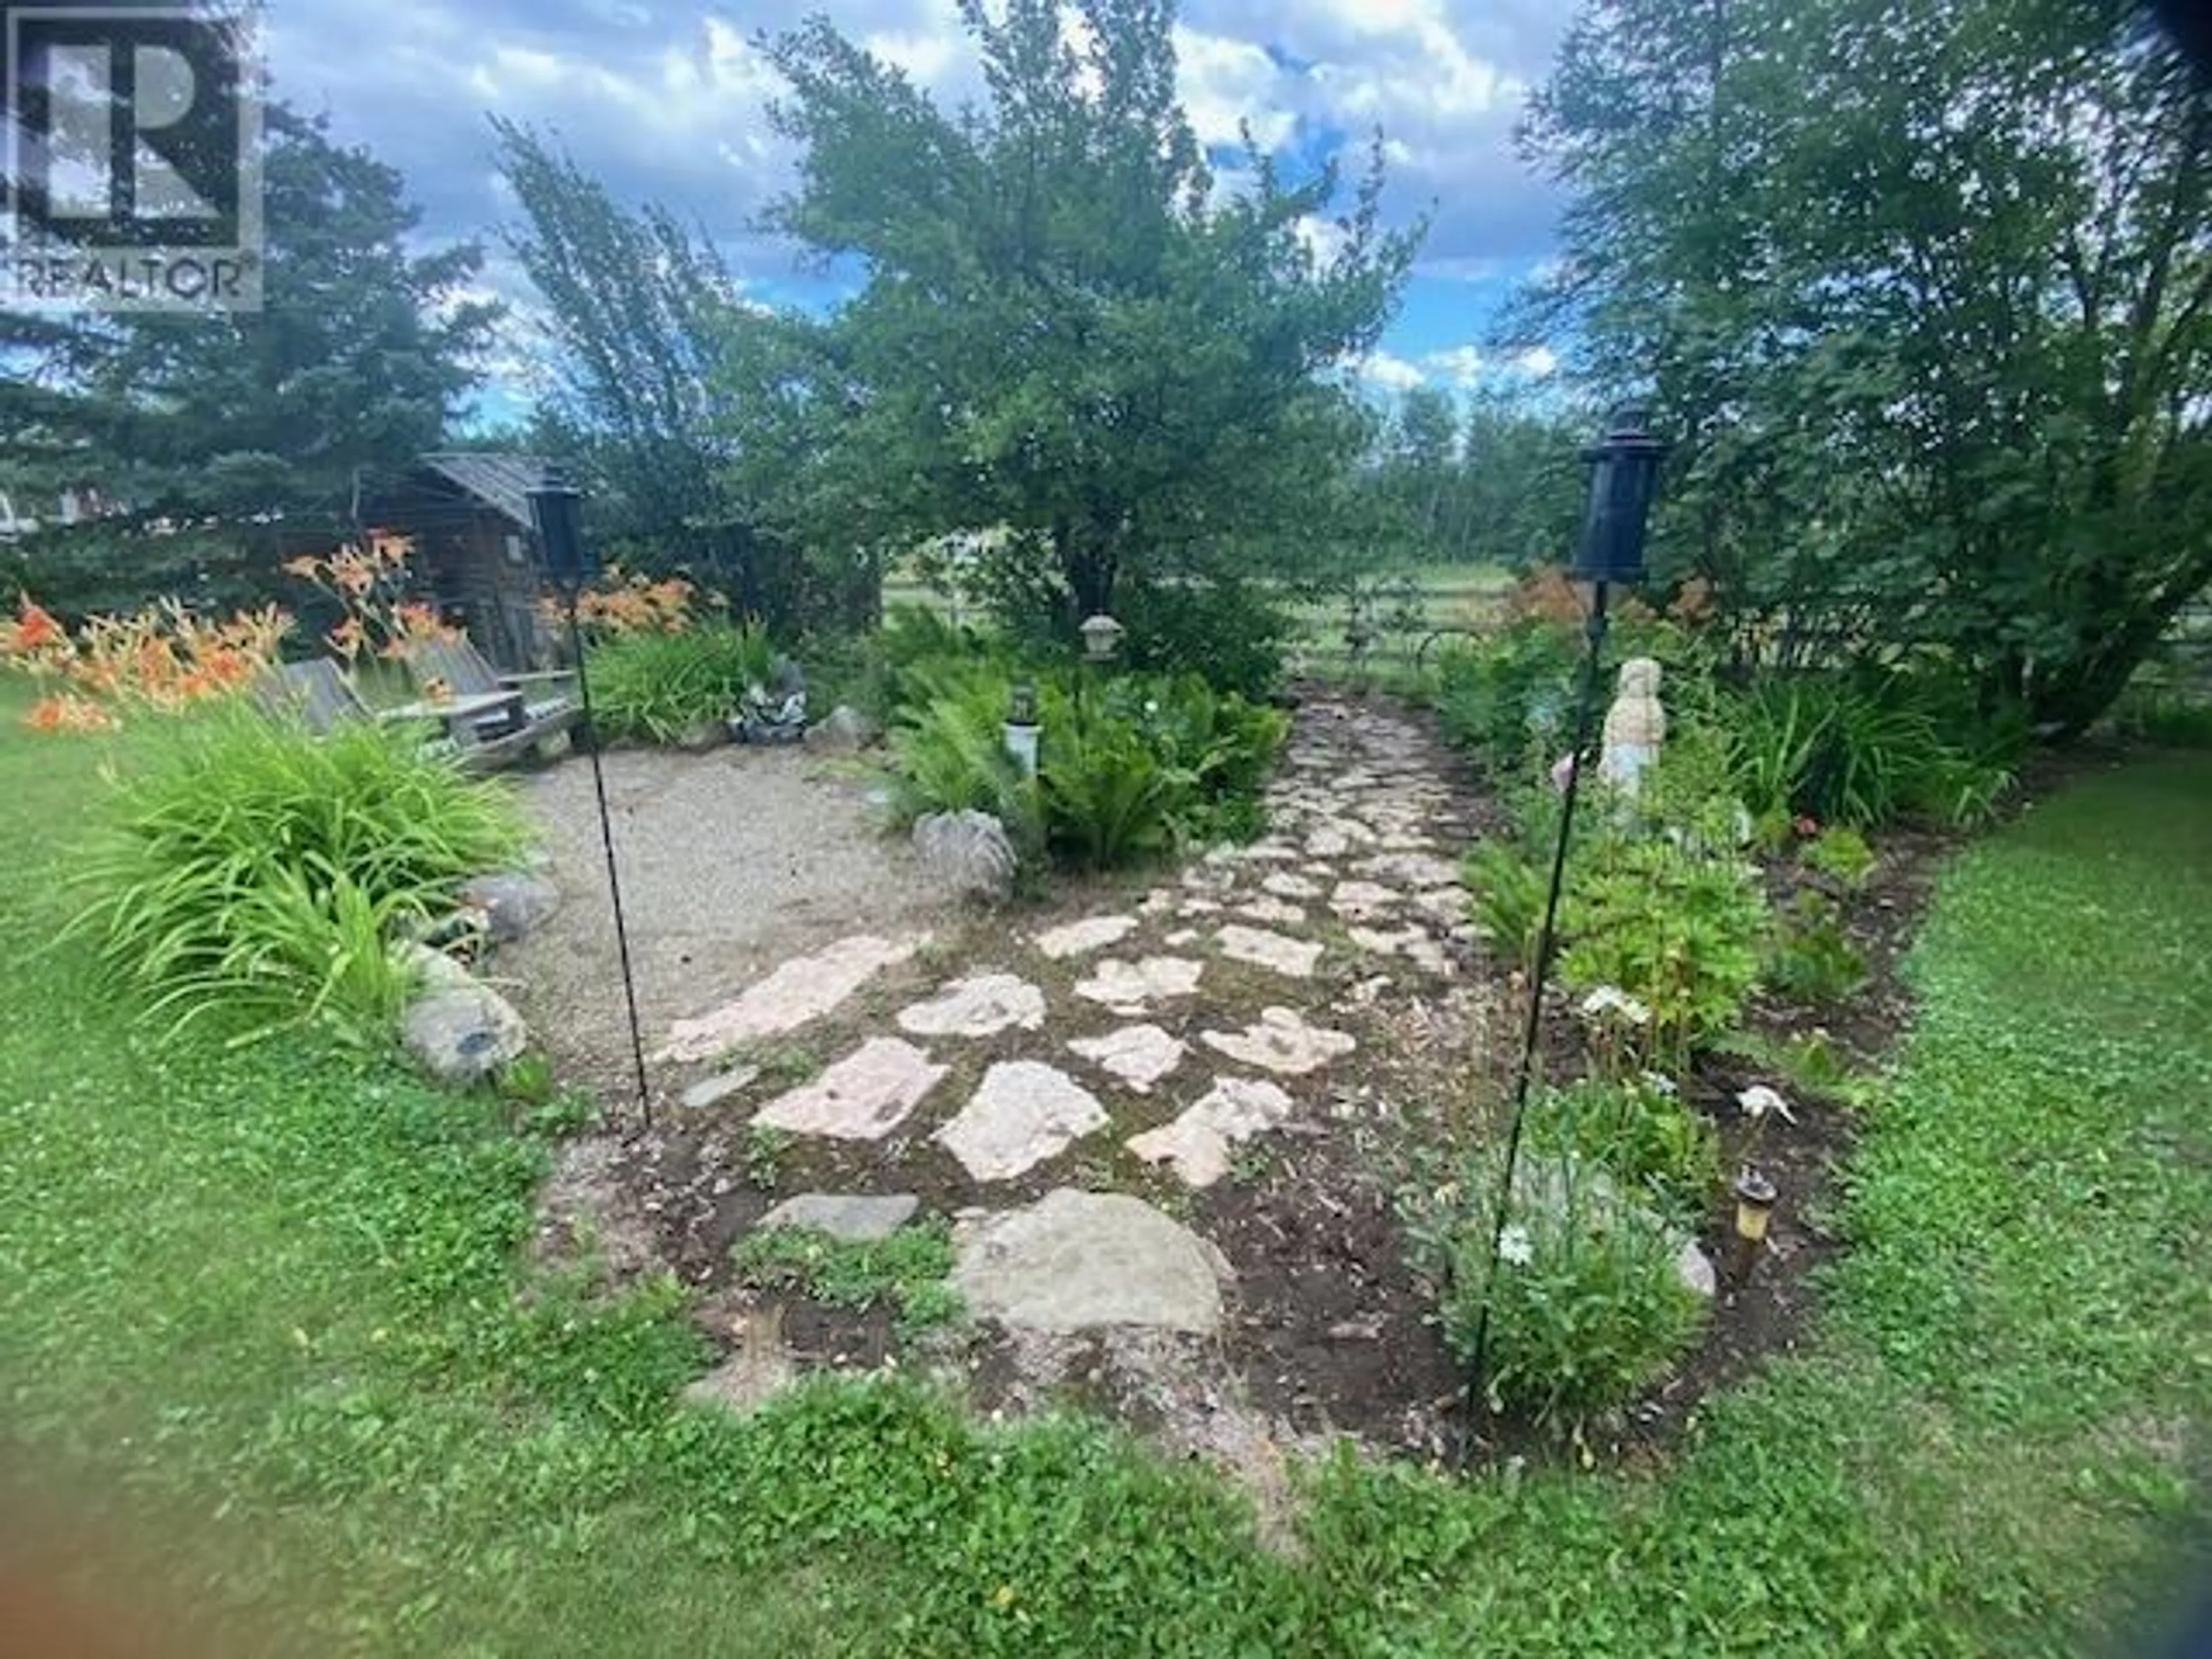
x=736, y=860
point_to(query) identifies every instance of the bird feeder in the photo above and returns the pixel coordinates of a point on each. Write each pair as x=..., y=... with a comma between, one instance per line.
x=556, y=512
x=1101, y=636
x=1623, y=480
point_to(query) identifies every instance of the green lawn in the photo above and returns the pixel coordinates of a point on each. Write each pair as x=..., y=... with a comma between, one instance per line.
x=259, y=1316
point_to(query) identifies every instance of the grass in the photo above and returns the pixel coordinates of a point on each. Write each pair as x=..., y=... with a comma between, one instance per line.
x=262, y=1325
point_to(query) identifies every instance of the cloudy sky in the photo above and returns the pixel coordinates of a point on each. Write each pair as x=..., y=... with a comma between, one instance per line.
x=663, y=100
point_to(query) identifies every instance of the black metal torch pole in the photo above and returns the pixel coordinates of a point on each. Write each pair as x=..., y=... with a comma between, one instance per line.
x=614, y=874
x=1547, y=941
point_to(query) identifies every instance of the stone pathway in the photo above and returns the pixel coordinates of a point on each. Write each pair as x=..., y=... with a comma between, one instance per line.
x=1203, y=1016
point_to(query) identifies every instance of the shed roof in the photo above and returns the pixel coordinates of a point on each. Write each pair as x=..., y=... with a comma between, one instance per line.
x=501, y=481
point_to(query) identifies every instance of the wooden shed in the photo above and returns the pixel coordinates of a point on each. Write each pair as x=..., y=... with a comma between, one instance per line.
x=475, y=554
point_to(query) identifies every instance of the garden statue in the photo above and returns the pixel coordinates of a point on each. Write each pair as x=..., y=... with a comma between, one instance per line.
x=1635, y=727
x=776, y=712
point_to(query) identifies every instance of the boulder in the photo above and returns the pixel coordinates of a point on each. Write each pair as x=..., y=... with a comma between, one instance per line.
x=968, y=852
x=461, y=1033
x=844, y=727
x=514, y=903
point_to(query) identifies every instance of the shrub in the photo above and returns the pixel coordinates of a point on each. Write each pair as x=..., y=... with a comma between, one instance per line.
x=1676, y=930
x=1228, y=632
x=1863, y=751
x=1809, y=956
x=1129, y=766
x=949, y=742
x=1498, y=697
x=1587, y=1309
x=258, y=873
x=1507, y=905
x=653, y=686
x=1842, y=853
x=1639, y=1131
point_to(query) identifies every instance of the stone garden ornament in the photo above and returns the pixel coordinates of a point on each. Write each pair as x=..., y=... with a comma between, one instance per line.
x=1635, y=727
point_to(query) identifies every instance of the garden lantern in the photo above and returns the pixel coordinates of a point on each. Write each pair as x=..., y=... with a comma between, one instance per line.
x=1101, y=636
x=556, y=510
x=1754, y=1205
x=1021, y=728
x=1624, y=479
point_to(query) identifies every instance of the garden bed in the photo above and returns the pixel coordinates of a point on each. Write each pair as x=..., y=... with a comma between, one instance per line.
x=1326, y=1329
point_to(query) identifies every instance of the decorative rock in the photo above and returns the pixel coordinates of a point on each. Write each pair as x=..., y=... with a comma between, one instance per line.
x=1022, y=1113
x=969, y=853
x=1181, y=939
x=843, y=728
x=1196, y=1144
x=463, y=1033
x=1199, y=907
x=713, y=1090
x=864, y=1097
x=1695, y=1269
x=1293, y=956
x=977, y=1006
x=1139, y=1055
x=856, y=1218
x=1132, y=987
x=1080, y=938
x=1074, y=1261
x=1362, y=900
x=1283, y=884
x=514, y=904
x=1157, y=902
x=1274, y=911
x=700, y=736
x=1281, y=1043
x=802, y=989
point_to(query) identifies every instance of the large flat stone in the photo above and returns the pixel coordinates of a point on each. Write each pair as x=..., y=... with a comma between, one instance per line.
x=856, y=1218
x=1076, y=1261
x=1079, y=939
x=980, y=1006
x=864, y=1097
x=1196, y=1145
x=1132, y=987
x=1138, y=1055
x=1281, y=1042
x=1295, y=957
x=1022, y=1113
x=1284, y=885
x=800, y=990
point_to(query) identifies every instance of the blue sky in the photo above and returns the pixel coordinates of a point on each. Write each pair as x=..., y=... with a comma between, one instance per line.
x=665, y=101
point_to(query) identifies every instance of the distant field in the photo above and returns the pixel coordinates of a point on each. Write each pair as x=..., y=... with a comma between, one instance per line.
x=1456, y=597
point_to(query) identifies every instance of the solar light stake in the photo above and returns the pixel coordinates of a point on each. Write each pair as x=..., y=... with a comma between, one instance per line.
x=556, y=508
x=1623, y=477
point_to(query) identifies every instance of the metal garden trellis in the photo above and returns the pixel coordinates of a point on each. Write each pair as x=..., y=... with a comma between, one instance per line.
x=1624, y=481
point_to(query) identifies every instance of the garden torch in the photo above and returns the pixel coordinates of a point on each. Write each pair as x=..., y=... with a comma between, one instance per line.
x=556, y=510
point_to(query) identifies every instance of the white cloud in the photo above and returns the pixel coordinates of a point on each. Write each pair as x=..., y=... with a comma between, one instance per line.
x=1539, y=360
x=1390, y=372
x=1462, y=365
x=1225, y=83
